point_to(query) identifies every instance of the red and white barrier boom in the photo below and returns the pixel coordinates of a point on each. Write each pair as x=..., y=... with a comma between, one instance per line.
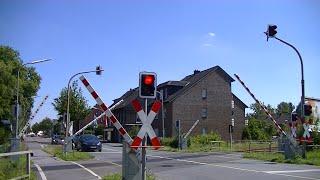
x=32, y=116
x=110, y=115
x=146, y=124
x=280, y=130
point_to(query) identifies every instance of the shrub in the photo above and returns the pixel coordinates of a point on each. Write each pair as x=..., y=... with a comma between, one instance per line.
x=170, y=141
x=204, y=139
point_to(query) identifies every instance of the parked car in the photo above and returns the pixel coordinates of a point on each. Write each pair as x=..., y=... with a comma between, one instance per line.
x=57, y=139
x=40, y=133
x=31, y=134
x=88, y=142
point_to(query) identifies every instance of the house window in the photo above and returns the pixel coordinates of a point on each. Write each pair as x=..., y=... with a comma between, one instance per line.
x=204, y=113
x=204, y=93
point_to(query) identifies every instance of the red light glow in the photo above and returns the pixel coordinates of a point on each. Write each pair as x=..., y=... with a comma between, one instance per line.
x=148, y=79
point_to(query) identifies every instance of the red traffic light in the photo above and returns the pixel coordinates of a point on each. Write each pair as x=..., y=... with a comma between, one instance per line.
x=148, y=79
x=147, y=85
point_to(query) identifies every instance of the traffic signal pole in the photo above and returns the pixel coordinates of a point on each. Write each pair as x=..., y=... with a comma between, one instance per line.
x=143, y=152
x=302, y=76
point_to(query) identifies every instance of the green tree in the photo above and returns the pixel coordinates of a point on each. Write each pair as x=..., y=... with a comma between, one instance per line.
x=35, y=128
x=46, y=125
x=284, y=108
x=79, y=108
x=259, y=127
x=258, y=112
x=29, y=81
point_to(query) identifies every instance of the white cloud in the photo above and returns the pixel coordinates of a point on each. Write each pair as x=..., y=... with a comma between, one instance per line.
x=207, y=44
x=211, y=34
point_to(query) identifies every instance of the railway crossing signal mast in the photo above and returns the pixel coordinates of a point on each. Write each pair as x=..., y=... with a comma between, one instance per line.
x=147, y=90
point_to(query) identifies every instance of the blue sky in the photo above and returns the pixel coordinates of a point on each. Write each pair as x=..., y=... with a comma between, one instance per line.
x=171, y=38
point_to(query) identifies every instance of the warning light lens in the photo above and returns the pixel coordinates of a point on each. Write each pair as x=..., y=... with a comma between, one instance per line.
x=148, y=80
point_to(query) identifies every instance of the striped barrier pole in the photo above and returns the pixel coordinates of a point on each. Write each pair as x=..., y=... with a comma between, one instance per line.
x=32, y=116
x=146, y=124
x=262, y=106
x=110, y=115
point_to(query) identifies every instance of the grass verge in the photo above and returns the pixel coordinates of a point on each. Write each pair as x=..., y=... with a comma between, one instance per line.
x=312, y=158
x=118, y=176
x=10, y=169
x=56, y=150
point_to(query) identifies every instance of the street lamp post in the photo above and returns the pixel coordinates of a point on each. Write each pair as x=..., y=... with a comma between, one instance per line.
x=17, y=100
x=162, y=113
x=98, y=72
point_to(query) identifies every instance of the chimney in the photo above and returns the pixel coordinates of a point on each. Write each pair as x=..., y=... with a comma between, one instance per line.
x=196, y=71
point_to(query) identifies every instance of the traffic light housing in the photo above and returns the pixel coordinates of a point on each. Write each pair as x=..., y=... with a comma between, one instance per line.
x=307, y=109
x=147, y=85
x=271, y=31
x=98, y=70
x=294, y=117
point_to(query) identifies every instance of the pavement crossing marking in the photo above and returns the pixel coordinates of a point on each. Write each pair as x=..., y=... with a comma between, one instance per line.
x=43, y=176
x=90, y=171
x=235, y=168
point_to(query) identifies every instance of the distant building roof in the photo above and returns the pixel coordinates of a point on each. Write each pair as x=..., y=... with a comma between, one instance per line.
x=187, y=82
x=235, y=98
x=173, y=83
x=194, y=78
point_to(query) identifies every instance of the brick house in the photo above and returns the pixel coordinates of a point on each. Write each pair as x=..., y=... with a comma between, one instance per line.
x=95, y=112
x=205, y=95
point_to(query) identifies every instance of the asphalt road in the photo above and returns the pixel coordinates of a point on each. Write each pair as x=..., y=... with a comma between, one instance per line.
x=171, y=166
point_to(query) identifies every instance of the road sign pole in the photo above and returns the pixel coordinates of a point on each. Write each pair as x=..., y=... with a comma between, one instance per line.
x=231, y=141
x=143, y=159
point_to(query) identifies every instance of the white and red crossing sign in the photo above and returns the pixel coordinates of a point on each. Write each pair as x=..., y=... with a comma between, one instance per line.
x=293, y=128
x=146, y=124
x=306, y=134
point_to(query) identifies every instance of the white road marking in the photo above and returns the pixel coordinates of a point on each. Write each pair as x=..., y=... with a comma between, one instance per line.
x=43, y=176
x=292, y=171
x=110, y=149
x=113, y=152
x=94, y=174
x=241, y=169
x=113, y=163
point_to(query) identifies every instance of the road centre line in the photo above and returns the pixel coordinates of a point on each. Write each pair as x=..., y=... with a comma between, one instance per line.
x=91, y=172
x=292, y=171
x=241, y=169
x=43, y=176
